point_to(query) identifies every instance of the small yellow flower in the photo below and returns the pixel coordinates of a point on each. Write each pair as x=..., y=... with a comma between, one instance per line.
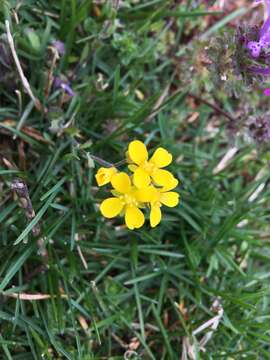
x=125, y=200
x=104, y=175
x=158, y=197
x=145, y=169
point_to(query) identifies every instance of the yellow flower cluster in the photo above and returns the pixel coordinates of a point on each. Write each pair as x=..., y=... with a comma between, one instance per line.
x=149, y=186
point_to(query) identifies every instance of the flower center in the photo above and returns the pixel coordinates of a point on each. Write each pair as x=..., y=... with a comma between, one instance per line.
x=103, y=177
x=128, y=199
x=148, y=167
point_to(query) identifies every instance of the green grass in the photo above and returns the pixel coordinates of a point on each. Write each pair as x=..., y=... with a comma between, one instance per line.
x=110, y=288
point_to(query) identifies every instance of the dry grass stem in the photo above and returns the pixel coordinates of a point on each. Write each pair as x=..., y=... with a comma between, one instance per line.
x=24, y=80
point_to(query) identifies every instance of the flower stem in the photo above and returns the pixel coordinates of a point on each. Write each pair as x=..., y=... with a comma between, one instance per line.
x=106, y=163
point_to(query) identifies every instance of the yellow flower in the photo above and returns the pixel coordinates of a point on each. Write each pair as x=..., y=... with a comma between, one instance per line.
x=145, y=169
x=158, y=197
x=104, y=175
x=125, y=199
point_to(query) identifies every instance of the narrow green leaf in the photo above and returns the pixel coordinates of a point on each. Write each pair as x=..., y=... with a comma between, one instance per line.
x=15, y=267
x=36, y=219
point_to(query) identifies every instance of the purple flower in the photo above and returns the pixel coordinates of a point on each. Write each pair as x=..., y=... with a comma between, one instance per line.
x=266, y=92
x=258, y=45
x=60, y=46
x=260, y=70
x=59, y=83
x=255, y=47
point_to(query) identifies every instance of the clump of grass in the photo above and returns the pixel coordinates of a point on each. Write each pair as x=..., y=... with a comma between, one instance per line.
x=83, y=287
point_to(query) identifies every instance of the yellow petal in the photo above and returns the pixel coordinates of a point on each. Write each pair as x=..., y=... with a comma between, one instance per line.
x=137, y=152
x=104, y=175
x=141, y=179
x=121, y=182
x=171, y=185
x=170, y=198
x=149, y=194
x=134, y=217
x=111, y=207
x=162, y=177
x=155, y=215
x=161, y=158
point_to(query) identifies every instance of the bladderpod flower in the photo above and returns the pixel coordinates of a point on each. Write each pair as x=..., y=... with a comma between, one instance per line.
x=158, y=197
x=126, y=201
x=146, y=170
x=104, y=175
